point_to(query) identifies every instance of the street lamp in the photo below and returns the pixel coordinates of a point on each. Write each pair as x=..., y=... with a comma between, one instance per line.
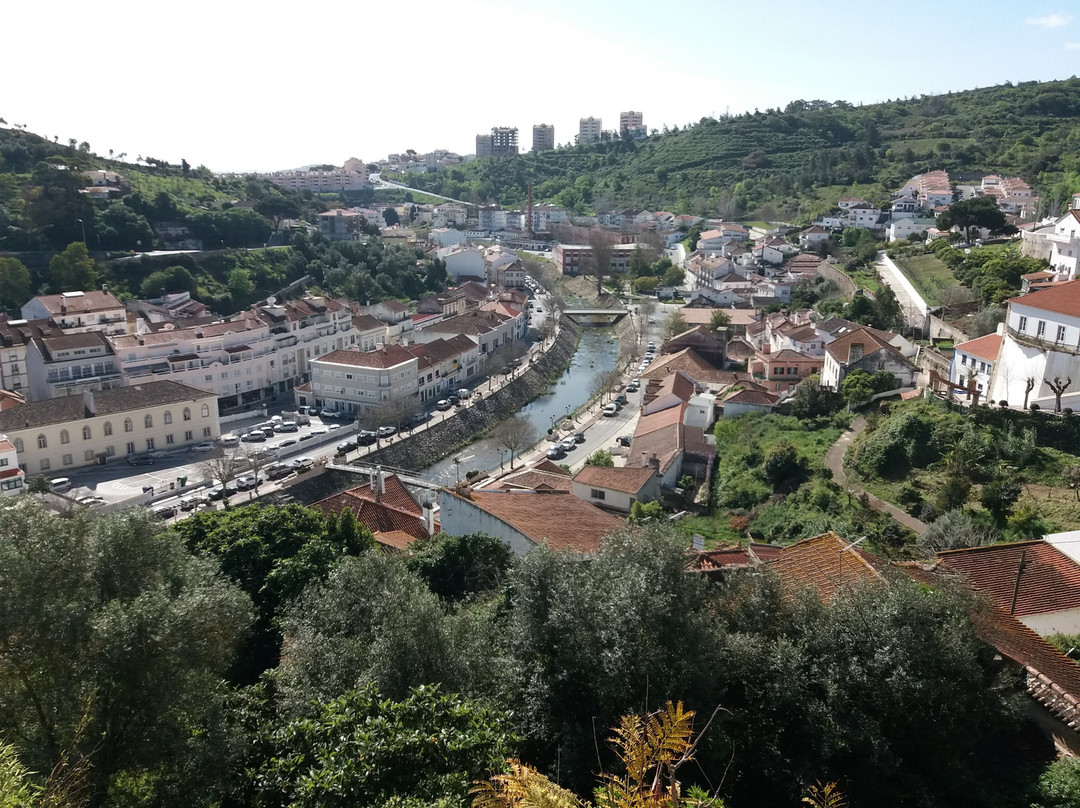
x=82, y=226
x=457, y=468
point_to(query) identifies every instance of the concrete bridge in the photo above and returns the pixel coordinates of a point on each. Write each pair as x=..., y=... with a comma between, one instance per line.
x=596, y=316
x=406, y=477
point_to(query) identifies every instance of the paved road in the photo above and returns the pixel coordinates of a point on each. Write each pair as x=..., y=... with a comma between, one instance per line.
x=378, y=182
x=911, y=302
x=834, y=460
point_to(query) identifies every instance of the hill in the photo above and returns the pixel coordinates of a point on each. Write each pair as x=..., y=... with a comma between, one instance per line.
x=795, y=162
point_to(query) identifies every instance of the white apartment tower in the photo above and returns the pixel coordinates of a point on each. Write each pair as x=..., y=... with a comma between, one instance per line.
x=629, y=121
x=589, y=130
x=543, y=137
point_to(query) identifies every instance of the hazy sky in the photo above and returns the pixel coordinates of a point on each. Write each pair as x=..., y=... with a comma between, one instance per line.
x=239, y=85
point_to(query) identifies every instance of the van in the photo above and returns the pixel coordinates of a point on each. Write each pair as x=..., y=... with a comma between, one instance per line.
x=60, y=485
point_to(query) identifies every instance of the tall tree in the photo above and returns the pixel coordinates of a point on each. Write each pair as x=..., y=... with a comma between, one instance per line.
x=14, y=284
x=514, y=434
x=599, y=265
x=73, y=270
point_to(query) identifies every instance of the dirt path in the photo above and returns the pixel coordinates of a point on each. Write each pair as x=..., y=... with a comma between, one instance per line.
x=834, y=460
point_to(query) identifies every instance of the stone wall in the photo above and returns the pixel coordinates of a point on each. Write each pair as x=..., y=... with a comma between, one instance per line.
x=843, y=282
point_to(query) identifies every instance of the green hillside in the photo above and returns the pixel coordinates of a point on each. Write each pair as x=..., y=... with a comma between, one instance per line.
x=795, y=162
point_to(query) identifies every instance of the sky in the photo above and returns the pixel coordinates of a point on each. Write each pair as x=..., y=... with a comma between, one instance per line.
x=259, y=86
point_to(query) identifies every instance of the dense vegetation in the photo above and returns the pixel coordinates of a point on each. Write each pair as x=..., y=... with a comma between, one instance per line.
x=402, y=680
x=795, y=162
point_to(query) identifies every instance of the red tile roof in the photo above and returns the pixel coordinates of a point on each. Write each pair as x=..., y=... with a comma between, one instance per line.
x=554, y=518
x=534, y=480
x=395, y=495
x=626, y=479
x=827, y=563
x=840, y=349
x=1049, y=582
x=756, y=397
x=387, y=356
x=1062, y=298
x=732, y=556
x=986, y=347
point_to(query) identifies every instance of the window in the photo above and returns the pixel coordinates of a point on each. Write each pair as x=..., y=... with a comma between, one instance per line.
x=963, y=359
x=64, y=436
x=168, y=417
x=148, y=422
x=88, y=455
x=18, y=445
x=206, y=432
x=127, y=425
x=1040, y=329
x=67, y=460
x=8, y=485
x=1022, y=325
x=131, y=447
x=149, y=444
x=42, y=442
x=110, y=451
x=45, y=464
x=1060, y=334
x=187, y=413
x=107, y=428
x=205, y=411
x=596, y=493
x=187, y=435
x=86, y=433
x=169, y=439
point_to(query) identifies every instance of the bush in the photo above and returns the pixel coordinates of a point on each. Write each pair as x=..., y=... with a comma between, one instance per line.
x=1033, y=407
x=1059, y=785
x=902, y=443
x=954, y=530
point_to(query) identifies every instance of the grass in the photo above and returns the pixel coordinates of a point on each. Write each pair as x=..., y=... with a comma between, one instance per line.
x=929, y=275
x=864, y=278
x=715, y=529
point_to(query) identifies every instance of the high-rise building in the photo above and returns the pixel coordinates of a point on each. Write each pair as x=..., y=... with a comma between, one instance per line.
x=630, y=120
x=543, y=137
x=504, y=140
x=589, y=130
x=483, y=145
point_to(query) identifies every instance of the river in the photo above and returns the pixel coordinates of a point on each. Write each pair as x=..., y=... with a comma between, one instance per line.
x=597, y=353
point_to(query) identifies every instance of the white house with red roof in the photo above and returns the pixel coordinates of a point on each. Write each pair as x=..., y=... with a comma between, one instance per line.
x=1041, y=342
x=359, y=382
x=973, y=361
x=1065, y=242
x=12, y=478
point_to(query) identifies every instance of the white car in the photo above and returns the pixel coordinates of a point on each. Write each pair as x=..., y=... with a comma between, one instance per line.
x=205, y=446
x=302, y=462
x=611, y=410
x=229, y=440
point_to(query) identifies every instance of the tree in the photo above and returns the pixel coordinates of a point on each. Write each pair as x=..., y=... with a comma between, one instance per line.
x=719, y=319
x=459, y=567
x=602, y=458
x=1059, y=387
x=857, y=387
x=812, y=400
x=675, y=324
x=1059, y=785
x=38, y=484
x=599, y=265
x=979, y=211
x=673, y=276
x=277, y=208
x=14, y=284
x=240, y=286
x=514, y=434
x=642, y=512
x=118, y=227
x=784, y=467
x=116, y=648
x=223, y=466
x=73, y=269
x=1070, y=475
x=954, y=530
x=390, y=216
x=999, y=496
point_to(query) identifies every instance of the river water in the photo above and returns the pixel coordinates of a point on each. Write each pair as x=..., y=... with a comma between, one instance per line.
x=597, y=353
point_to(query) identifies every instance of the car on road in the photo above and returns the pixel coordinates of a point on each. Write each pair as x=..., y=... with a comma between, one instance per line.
x=140, y=460
x=303, y=462
x=652, y=321
x=229, y=440
x=278, y=470
x=579, y=437
x=248, y=481
x=632, y=387
x=453, y=399
x=93, y=501
x=326, y=413
x=416, y=419
x=611, y=410
x=556, y=453
x=346, y=446
x=306, y=436
x=568, y=445
x=254, y=436
x=366, y=437
x=59, y=485
x=188, y=503
x=322, y=430
x=267, y=430
x=286, y=426
x=205, y=446
x=463, y=393
x=287, y=443
x=386, y=431
x=332, y=427
x=165, y=511
x=624, y=440
x=620, y=399
x=443, y=404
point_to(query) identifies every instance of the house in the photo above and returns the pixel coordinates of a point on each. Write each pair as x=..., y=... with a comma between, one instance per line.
x=96, y=426
x=361, y=382
x=12, y=477
x=1032, y=580
x=490, y=330
x=463, y=261
x=509, y=276
x=1064, y=242
x=709, y=345
x=386, y=508
x=670, y=391
x=77, y=312
x=827, y=564
x=811, y=237
x=616, y=489
x=973, y=361
x=864, y=215
x=866, y=350
x=15, y=336
x=444, y=366
x=342, y=225
x=738, y=319
x=63, y=364
x=526, y=519
x=573, y=259
x=711, y=240
x=782, y=370
x=664, y=442
x=446, y=237
x=748, y=399
x=1041, y=342
x=900, y=229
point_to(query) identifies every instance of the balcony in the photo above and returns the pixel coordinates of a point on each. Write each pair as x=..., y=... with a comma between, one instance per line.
x=1043, y=344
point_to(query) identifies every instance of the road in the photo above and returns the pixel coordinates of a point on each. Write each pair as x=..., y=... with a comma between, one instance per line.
x=911, y=302
x=378, y=182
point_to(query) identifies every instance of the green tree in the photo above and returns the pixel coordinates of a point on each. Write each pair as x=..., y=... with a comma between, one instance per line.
x=979, y=211
x=1059, y=785
x=999, y=497
x=118, y=227
x=601, y=457
x=170, y=279
x=784, y=467
x=857, y=387
x=812, y=400
x=390, y=216
x=642, y=512
x=719, y=319
x=674, y=324
x=459, y=567
x=645, y=285
x=114, y=642
x=73, y=270
x=240, y=286
x=14, y=284
x=673, y=276
x=277, y=208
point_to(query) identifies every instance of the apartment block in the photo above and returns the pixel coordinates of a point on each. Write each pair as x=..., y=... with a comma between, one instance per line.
x=589, y=130
x=78, y=312
x=543, y=137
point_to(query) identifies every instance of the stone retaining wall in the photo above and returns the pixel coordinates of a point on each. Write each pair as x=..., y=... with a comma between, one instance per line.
x=844, y=282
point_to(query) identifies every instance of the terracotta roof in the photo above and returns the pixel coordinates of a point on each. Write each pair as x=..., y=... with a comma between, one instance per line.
x=547, y=465
x=395, y=305
x=106, y=402
x=394, y=539
x=765, y=552
x=534, y=480
x=626, y=479
x=755, y=397
x=1062, y=298
x=986, y=347
x=1049, y=582
x=659, y=420
x=20, y=332
x=720, y=557
x=840, y=349
x=378, y=517
x=556, y=519
x=677, y=384
x=365, y=322
x=1042, y=275
x=827, y=563
x=695, y=316
x=387, y=356
x=473, y=322
x=395, y=494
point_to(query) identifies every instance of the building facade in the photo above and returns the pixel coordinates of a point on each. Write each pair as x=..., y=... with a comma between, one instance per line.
x=543, y=137
x=64, y=364
x=589, y=130
x=358, y=383
x=78, y=312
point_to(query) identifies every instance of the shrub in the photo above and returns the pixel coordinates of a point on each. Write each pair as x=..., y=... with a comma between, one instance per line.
x=1033, y=407
x=1003, y=403
x=903, y=442
x=954, y=530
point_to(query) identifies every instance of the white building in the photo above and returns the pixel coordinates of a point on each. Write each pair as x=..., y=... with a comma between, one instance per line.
x=12, y=478
x=589, y=130
x=64, y=364
x=352, y=176
x=973, y=361
x=463, y=261
x=899, y=229
x=1065, y=242
x=360, y=382
x=77, y=312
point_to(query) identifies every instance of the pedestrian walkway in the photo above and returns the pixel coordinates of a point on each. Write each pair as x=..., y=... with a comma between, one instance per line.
x=834, y=461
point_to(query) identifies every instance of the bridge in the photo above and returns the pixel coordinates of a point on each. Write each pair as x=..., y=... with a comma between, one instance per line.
x=596, y=316
x=406, y=477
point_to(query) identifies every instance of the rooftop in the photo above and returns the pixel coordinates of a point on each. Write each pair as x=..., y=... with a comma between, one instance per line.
x=986, y=347
x=387, y=356
x=626, y=479
x=826, y=563
x=1061, y=298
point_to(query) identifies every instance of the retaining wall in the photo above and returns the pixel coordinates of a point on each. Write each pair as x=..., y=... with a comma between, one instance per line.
x=844, y=282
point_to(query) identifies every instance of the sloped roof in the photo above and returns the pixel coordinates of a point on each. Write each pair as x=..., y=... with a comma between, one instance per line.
x=556, y=519
x=626, y=479
x=828, y=563
x=534, y=480
x=79, y=302
x=1062, y=298
x=758, y=398
x=659, y=420
x=840, y=349
x=1049, y=581
x=987, y=347
x=395, y=494
x=378, y=517
x=387, y=356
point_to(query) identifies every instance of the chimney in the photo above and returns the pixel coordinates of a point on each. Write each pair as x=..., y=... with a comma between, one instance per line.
x=382, y=480
x=654, y=463
x=644, y=459
x=855, y=353
x=63, y=304
x=429, y=518
x=88, y=401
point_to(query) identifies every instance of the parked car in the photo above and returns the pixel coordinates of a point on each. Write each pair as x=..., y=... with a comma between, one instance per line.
x=205, y=446
x=416, y=419
x=453, y=399
x=268, y=431
x=620, y=399
x=248, y=481
x=346, y=446
x=332, y=427
x=611, y=410
x=93, y=501
x=140, y=460
x=285, y=444
x=463, y=393
x=229, y=440
x=386, y=431
x=624, y=440
x=568, y=445
x=579, y=437
x=318, y=431
x=286, y=426
x=443, y=404
x=365, y=437
x=306, y=436
x=632, y=387
x=254, y=436
x=328, y=413
x=556, y=453
x=278, y=470
x=188, y=503
x=59, y=485
x=303, y=462
x=165, y=511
